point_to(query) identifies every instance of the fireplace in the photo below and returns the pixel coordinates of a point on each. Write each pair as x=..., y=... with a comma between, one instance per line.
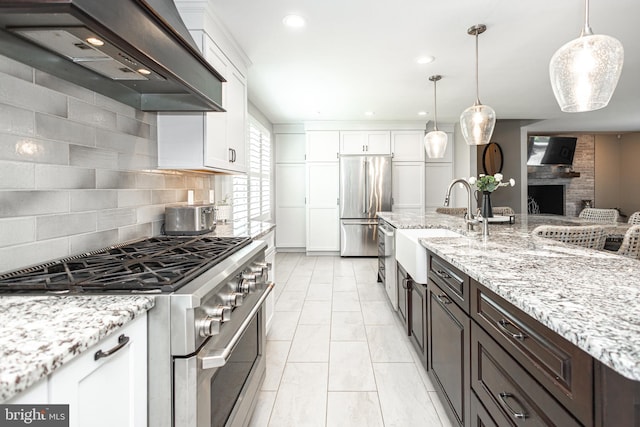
x=546, y=199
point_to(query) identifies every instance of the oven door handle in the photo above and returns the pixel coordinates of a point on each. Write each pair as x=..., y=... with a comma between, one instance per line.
x=218, y=357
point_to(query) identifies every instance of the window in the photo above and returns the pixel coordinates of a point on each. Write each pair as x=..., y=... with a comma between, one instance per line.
x=252, y=192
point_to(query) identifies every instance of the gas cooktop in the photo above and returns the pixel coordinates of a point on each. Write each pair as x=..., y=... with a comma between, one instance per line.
x=154, y=265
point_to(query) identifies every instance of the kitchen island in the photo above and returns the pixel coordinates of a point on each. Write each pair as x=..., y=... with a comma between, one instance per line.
x=589, y=298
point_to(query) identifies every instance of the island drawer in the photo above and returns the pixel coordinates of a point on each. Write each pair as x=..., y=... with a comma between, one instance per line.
x=561, y=367
x=510, y=395
x=450, y=279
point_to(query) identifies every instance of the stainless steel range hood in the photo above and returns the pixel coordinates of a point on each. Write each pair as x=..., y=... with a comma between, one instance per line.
x=135, y=51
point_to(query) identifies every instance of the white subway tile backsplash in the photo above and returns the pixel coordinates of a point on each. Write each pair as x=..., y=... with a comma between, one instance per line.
x=128, y=198
x=133, y=127
x=115, y=106
x=78, y=170
x=91, y=241
x=24, y=94
x=115, y=179
x=114, y=218
x=52, y=226
x=64, y=87
x=60, y=129
x=59, y=177
x=14, y=257
x=35, y=150
x=92, y=157
x=15, y=231
x=29, y=203
x=90, y=200
x=15, y=175
x=16, y=69
x=84, y=112
x=16, y=120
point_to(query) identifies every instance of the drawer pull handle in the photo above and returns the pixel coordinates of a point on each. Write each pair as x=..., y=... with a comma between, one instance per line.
x=504, y=324
x=443, y=299
x=405, y=284
x=443, y=274
x=122, y=341
x=519, y=415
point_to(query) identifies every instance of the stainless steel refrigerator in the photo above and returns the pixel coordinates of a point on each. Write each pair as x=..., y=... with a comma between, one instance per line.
x=365, y=188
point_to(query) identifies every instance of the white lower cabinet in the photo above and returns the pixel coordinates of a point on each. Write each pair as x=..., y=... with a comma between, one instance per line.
x=290, y=205
x=110, y=391
x=323, y=222
x=323, y=226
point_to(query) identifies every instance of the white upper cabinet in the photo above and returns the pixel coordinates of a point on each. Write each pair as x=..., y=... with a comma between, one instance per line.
x=365, y=142
x=213, y=141
x=290, y=147
x=323, y=146
x=407, y=145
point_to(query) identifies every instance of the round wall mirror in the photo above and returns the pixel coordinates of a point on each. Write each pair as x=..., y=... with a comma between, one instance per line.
x=492, y=159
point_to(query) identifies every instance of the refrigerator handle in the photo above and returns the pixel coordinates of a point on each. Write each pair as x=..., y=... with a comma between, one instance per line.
x=364, y=193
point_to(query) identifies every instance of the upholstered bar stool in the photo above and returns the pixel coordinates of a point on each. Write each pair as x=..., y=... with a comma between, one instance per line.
x=605, y=216
x=587, y=236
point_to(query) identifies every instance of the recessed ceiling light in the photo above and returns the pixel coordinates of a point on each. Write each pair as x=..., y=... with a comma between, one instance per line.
x=425, y=60
x=369, y=113
x=144, y=71
x=295, y=21
x=422, y=113
x=95, y=41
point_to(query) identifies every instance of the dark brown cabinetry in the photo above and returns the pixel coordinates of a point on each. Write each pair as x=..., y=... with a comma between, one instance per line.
x=404, y=297
x=448, y=352
x=494, y=365
x=419, y=319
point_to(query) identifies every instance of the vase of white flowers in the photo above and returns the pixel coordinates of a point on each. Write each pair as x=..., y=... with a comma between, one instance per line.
x=487, y=184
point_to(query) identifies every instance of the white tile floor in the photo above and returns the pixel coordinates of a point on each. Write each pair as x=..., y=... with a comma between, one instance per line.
x=336, y=352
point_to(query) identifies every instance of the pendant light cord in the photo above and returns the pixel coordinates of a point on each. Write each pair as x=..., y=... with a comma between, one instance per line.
x=435, y=106
x=477, y=80
x=586, y=31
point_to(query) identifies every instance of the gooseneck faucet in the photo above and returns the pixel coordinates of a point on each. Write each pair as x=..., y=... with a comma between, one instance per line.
x=469, y=218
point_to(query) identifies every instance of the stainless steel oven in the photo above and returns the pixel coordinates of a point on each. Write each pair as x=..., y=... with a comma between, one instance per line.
x=218, y=385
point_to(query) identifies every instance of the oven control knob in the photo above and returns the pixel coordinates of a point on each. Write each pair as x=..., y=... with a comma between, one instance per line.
x=248, y=276
x=216, y=316
x=261, y=269
x=234, y=299
x=245, y=286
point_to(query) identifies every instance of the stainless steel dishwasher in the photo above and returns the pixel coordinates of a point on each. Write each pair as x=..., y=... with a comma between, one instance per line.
x=389, y=233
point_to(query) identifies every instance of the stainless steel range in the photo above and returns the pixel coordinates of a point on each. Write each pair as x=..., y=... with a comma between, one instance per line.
x=206, y=331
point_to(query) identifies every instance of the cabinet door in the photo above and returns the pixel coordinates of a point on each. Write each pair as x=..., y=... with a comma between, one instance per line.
x=403, y=284
x=448, y=352
x=237, y=130
x=408, y=186
x=378, y=143
x=419, y=319
x=323, y=229
x=110, y=391
x=322, y=179
x=438, y=176
x=407, y=146
x=290, y=147
x=290, y=205
x=323, y=146
x=353, y=142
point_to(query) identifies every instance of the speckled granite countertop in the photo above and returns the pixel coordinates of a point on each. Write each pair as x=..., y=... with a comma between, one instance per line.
x=39, y=334
x=591, y=298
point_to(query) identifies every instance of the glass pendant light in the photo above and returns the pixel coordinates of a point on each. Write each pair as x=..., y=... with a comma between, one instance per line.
x=477, y=122
x=584, y=72
x=435, y=142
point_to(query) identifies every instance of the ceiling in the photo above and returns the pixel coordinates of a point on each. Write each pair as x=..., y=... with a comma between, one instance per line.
x=360, y=55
